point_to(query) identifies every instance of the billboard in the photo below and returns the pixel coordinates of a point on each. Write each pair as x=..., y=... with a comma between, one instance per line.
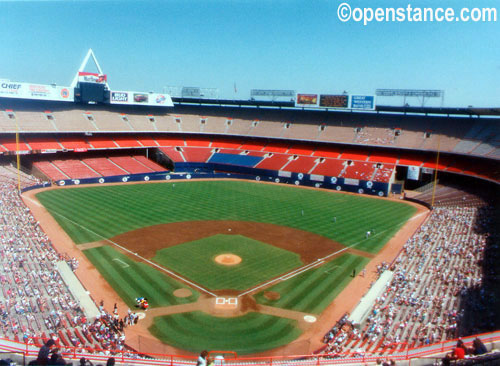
x=306, y=100
x=334, y=101
x=12, y=89
x=139, y=98
x=363, y=102
x=91, y=77
x=272, y=93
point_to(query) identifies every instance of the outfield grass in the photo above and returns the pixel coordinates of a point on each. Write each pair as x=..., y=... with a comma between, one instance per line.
x=91, y=213
x=131, y=279
x=314, y=290
x=246, y=334
x=195, y=260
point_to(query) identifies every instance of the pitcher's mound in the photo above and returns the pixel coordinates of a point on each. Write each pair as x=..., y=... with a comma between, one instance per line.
x=228, y=259
x=182, y=292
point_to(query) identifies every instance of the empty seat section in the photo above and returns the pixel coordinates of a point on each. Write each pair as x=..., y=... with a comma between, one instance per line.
x=6, y=123
x=147, y=141
x=197, y=154
x=330, y=167
x=380, y=157
x=352, y=155
x=235, y=159
x=165, y=123
x=75, y=169
x=173, y=154
x=130, y=164
x=230, y=151
x=411, y=159
x=359, y=170
x=73, y=120
x=50, y=170
x=33, y=121
x=276, y=148
x=110, y=121
x=303, y=164
x=214, y=125
x=43, y=143
x=301, y=150
x=238, y=126
x=268, y=129
x=149, y=163
x=327, y=153
x=101, y=142
x=190, y=123
x=301, y=131
x=252, y=146
x=10, y=144
x=104, y=167
x=139, y=122
x=275, y=162
x=124, y=141
x=72, y=143
x=198, y=142
x=226, y=144
x=171, y=141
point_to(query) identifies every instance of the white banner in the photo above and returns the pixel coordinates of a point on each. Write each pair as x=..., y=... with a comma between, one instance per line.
x=283, y=173
x=12, y=89
x=139, y=98
x=351, y=181
x=317, y=178
x=413, y=172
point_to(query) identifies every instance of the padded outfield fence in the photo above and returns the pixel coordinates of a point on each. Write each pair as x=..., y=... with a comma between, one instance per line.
x=29, y=351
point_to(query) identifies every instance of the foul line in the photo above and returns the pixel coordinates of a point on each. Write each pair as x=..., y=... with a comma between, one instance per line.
x=138, y=256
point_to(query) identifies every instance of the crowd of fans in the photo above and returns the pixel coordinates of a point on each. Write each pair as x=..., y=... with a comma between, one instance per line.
x=421, y=305
x=433, y=273
x=36, y=305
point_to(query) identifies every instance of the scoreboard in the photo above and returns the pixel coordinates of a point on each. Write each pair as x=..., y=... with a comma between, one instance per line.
x=334, y=101
x=337, y=101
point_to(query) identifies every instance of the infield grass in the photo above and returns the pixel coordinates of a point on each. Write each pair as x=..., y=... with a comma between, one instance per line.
x=245, y=334
x=88, y=214
x=195, y=260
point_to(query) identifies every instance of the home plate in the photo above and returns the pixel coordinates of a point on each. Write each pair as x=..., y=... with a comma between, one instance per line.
x=226, y=302
x=141, y=315
x=310, y=318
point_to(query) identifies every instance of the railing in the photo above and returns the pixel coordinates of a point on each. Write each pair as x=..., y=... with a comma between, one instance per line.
x=128, y=356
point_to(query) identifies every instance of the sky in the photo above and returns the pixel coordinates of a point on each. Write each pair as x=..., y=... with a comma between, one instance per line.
x=239, y=45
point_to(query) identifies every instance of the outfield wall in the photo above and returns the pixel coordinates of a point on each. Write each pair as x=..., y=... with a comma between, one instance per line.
x=210, y=171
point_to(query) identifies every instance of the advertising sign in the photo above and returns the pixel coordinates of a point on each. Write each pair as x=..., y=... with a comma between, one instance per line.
x=138, y=98
x=90, y=77
x=11, y=89
x=307, y=100
x=363, y=102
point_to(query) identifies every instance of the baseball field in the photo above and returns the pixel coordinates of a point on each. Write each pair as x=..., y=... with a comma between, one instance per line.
x=228, y=265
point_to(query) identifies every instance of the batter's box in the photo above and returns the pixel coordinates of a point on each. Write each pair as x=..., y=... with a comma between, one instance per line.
x=226, y=302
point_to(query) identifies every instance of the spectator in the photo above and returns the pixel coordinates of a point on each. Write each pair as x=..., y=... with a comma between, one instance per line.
x=478, y=347
x=43, y=353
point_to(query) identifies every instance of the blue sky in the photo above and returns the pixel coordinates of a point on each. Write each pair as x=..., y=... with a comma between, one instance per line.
x=261, y=44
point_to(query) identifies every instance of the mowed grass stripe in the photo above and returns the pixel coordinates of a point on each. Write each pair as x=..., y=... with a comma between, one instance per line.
x=138, y=279
x=250, y=333
x=313, y=290
x=111, y=210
